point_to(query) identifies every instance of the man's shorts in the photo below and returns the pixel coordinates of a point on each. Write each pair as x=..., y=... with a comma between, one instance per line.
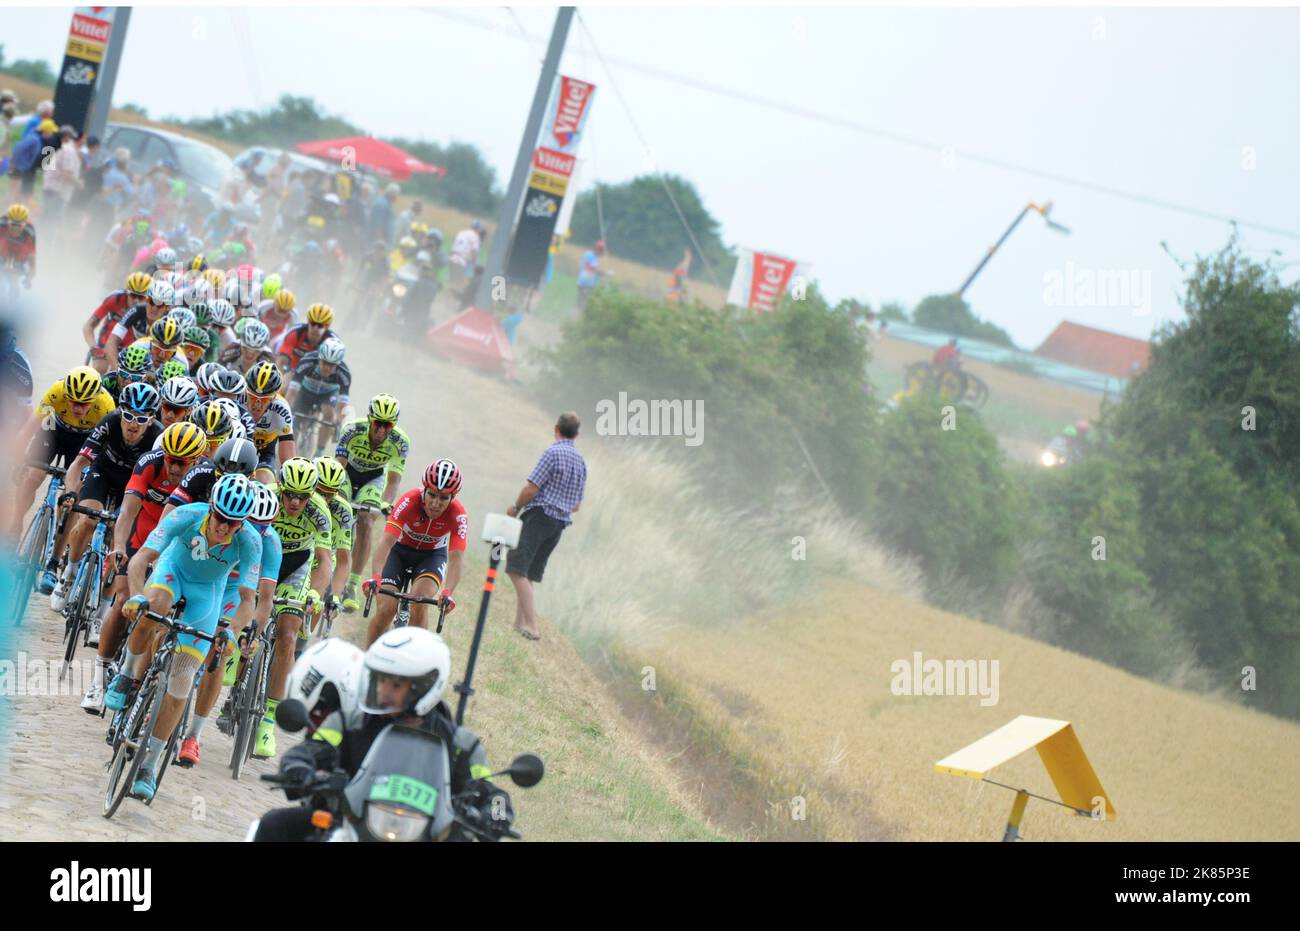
x=104, y=484
x=365, y=487
x=537, y=540
x=294, y=581
x=407, y=563
x=59, y=446
x=202, y=603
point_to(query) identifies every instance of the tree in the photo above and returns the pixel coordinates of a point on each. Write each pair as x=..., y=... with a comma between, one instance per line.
x=950, y=314
x=34, y=70
x=942, y=494
x=470, y=182
x=641, y=224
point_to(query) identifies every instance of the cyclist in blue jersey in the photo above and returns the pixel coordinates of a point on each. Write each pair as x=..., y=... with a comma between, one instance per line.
x=194, y=549
x=265, y=508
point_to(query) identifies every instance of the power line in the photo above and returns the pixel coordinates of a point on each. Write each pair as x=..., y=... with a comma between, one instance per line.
x=650, y=152
x=915, y=141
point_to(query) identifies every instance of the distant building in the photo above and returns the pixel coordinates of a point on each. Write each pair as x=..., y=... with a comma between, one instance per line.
x=1096, y=350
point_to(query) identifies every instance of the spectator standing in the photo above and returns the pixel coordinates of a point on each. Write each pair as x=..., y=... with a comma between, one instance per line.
x=119, y=189
x=62, y=177
x=464, y=256
x=546, y=505
x=28, y=157
x=381, y=220
x=44, y=111
x=8, y=110
x=590, y=272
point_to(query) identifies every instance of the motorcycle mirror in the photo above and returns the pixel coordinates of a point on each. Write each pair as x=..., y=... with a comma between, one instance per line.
x=527, y=770
x=291, y=714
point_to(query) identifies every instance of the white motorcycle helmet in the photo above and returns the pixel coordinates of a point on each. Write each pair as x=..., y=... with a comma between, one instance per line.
x=327, y=678
x=411, y=653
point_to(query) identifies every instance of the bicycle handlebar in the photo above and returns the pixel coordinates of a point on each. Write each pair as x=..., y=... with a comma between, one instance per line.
x=95, y=513
x=54, y=470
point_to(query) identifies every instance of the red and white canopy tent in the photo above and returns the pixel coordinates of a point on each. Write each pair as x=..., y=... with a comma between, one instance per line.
x=372, y=154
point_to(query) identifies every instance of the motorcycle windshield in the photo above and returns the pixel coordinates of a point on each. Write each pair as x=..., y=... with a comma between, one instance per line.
x=406, y=768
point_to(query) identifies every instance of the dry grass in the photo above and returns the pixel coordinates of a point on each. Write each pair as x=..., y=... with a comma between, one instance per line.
x=815, y=685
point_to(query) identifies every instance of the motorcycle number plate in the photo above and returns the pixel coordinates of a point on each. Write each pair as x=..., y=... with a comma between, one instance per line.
x=404, y=790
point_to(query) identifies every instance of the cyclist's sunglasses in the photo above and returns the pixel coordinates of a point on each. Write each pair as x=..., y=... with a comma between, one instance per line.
x=184, y=463
x=297, y=496
x=132, y=417
x=225, y=521
x=176, y=411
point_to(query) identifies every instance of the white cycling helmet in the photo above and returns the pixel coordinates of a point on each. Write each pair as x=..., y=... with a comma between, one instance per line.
x=179, y=391
x=230, y=407
x=327, y=678
x=165, y=258
x=237, y=431
x=222, y=313
x=184, y=317
x=256, y=335
x=265, y=507
x=331, y=351
x=160, y=292
x=411, y=653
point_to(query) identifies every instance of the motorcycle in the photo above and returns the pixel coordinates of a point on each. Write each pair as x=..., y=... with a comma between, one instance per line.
x=407, y=304
x=401, y=792
x=1057, y=453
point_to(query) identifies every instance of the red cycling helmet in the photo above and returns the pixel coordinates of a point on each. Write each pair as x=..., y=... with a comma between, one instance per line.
x=443, y=476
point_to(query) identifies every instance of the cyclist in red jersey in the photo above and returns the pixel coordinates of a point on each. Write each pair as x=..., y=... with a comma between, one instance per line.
x=156, y=475
x=305, y=337
x=423, y=543
x=18, y=243
x=108, y=313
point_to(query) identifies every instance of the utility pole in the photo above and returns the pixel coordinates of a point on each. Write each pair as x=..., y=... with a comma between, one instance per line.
x=504, y=230
x=1044, y=211
x=103, y=100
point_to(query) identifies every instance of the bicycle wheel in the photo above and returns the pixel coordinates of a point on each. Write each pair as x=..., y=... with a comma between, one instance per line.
x=130, y=750
x=30, y=556
x=259, y=700
x=952, y=385
x=978, y=390
x=78, y=613
x=917, y=377
x=245, y=724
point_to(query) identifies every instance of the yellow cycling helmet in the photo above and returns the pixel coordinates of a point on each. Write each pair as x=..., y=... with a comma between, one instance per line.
x=264, y=379
x=214, y=277
x=322, y=314
x=184, y=440
x=18, y=213
x=138, y=282
x=316, y=222
x=330, y=476
x=419, y=229
x=166, y=333
x=384, y=408
x=81, y=384
x=285, y=299
x=298, y=476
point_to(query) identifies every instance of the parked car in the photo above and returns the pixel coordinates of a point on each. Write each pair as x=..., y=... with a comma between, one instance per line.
x=205, y=168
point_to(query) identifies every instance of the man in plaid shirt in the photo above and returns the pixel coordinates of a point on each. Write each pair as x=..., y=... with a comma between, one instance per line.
x=546, y=505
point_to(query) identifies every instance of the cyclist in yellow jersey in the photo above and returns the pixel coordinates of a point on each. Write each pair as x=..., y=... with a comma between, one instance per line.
x=62, y=420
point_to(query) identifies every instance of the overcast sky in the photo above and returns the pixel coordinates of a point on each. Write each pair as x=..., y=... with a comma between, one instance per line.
x=1190, y=106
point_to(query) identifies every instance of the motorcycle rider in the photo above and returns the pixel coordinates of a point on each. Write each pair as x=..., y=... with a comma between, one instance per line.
x=351, y=697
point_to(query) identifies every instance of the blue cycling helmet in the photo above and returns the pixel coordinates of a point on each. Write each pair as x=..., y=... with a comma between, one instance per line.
x=139, y=397
x=233, y=496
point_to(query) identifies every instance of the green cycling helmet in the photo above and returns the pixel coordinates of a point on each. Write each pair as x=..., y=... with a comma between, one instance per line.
x=134, y=359
x=197, y=336
x=271, y=286
x=171, y=368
